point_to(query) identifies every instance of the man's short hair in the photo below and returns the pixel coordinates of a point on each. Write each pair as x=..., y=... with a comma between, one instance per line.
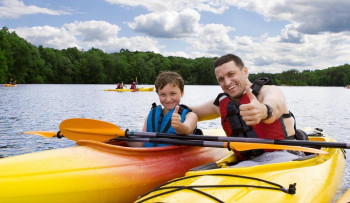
x=227, y=58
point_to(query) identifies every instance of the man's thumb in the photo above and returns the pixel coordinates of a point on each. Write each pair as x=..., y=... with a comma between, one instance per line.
x=250, y=95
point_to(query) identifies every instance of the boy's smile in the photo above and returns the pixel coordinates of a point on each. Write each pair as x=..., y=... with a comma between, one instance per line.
x=169, y=97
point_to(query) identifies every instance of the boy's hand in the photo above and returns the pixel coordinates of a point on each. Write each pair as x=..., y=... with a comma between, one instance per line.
x=176, y=119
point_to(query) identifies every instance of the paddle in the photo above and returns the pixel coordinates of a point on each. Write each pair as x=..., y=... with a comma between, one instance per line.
x=105, y=131
x=304, y=143
x=88, y=129
x=239, y=146
x=44, y=133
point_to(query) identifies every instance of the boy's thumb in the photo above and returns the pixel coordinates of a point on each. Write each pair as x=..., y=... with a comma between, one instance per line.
x=177, y=109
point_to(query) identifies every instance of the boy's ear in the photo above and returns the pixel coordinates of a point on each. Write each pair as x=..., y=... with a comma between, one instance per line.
x=182, y=93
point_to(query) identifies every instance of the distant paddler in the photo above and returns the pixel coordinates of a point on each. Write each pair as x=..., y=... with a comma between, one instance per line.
x=133, y=85
x=120, y=85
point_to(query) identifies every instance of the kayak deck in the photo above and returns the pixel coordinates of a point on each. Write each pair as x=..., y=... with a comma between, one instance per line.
x=314, y=179
x=9, y=85
x=142, y=89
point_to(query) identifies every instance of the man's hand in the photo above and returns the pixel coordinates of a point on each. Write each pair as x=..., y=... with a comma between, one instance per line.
x=253, y=112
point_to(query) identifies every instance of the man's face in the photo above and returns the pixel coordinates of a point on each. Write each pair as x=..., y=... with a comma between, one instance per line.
x=232, y=79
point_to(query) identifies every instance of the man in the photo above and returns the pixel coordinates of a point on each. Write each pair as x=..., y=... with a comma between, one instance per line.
x=243, y=114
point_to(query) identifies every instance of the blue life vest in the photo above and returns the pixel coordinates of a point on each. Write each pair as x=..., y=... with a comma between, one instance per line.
x=157, y=122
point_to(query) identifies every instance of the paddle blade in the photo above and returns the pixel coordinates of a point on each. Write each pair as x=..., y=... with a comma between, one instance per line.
x=42, y=133
x=89, y=129
x=241, y=146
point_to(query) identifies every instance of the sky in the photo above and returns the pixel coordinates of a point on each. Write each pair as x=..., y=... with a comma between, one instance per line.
x=270, y=36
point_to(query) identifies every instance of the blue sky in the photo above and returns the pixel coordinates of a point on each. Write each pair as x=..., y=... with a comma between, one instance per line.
x=270, y=36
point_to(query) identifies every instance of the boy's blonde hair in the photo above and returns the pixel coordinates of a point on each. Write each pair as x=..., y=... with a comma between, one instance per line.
x=169, y=77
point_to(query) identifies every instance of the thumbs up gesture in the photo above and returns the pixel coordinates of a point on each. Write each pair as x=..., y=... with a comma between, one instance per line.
x=253, y=112
x=176, y=118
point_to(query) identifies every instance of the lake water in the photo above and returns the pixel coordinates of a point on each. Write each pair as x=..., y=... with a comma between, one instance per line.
x=44, y=107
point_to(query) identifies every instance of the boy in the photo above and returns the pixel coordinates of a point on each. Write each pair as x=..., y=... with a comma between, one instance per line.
x=172, y=117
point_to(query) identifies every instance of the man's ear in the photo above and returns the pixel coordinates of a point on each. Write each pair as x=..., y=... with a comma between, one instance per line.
x=245, y=72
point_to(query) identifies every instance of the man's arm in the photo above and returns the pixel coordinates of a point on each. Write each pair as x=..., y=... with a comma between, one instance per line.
x=206, y=111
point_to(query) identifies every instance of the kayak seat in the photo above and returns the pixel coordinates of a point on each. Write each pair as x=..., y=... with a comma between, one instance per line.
x=301, y=135
x=305, y=157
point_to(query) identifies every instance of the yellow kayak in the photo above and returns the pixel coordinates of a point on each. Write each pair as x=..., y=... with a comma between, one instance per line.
x=141, y=89
x=9, y=85
x=313, y=179
x=97, y=172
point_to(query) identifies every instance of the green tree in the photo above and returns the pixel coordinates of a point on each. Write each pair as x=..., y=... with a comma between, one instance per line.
x=3, y=68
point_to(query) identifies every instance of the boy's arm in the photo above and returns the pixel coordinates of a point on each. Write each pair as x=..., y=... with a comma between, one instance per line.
x=188, y=126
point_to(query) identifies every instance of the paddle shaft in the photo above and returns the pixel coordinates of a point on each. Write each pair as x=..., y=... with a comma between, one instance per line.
x=242, y=139
x=229, y=145
x=173, y=141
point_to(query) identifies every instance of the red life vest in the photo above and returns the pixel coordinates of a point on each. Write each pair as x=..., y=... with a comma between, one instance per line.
x=235, y=126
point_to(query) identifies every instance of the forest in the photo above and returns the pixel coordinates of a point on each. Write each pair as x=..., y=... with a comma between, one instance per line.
x=28, y=64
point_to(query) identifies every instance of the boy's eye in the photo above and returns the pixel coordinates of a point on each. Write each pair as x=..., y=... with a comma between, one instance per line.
x=220, y=79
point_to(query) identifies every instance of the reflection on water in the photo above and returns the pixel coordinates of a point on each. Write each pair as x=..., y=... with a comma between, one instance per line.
x=43, y=107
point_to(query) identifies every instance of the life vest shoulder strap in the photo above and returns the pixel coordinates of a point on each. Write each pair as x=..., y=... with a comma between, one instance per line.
x=258, y=83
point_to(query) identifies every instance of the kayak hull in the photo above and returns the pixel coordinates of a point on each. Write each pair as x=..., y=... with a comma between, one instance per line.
x=317, y=180
x=9, y=85
x=96, y=172
x=142, y=89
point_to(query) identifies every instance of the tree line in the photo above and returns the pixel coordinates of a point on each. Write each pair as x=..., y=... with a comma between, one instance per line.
x=28, y=64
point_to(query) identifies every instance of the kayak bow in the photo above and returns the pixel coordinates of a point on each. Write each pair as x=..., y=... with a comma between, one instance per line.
x=96, y=172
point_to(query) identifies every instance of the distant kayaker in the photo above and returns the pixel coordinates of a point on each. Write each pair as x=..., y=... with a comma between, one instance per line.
x=248, y=109
x=120, y=85
x=170, y=116
x=133, y=85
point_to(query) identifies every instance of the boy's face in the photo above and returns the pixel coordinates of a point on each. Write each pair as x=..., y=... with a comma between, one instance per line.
x=170, y=96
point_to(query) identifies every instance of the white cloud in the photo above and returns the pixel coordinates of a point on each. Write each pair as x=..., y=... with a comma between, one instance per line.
x=16, y=9
x=213, y=39
x=48, y=36
x=84, y=35
x=169, y=24
x=308, y=17
x=91, y=31
x=218, y=6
